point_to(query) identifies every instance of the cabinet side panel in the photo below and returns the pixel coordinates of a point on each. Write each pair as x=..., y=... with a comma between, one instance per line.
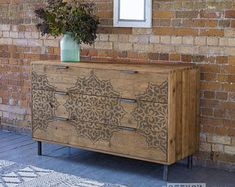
x=194, y=111
x=185, y=112
x=190, y=112
x=172, y=118
x=178, y=110
x=176, y=130
x=197, y=106
x=31, y=98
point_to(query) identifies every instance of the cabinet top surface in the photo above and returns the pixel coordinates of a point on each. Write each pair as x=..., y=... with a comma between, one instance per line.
x=166, y=67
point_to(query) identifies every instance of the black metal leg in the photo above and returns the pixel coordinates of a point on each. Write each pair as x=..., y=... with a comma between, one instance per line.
x=165, y=172
x=190, y=162
x=39, y=148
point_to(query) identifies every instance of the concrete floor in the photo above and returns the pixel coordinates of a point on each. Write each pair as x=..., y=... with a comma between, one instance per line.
x=106, y=168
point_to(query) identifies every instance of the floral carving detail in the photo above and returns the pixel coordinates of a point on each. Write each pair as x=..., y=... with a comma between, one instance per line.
x=44, y=102
x=155, y=93
x=151, y=115
x=94, y=108
x=40, y=82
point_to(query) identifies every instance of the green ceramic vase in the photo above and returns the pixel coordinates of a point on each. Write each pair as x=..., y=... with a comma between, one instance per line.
x=69, y=49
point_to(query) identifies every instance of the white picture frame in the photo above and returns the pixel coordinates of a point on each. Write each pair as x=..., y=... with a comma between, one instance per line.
x=132, y=13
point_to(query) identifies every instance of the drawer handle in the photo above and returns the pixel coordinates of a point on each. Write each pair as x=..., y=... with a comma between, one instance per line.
x=130, y=71
x=62, y=67
x=128, y=100
x=61, y=93
x=60, y=118
x=127, y=128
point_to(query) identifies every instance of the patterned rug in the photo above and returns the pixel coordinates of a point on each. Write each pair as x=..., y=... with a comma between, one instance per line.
x=13, y=174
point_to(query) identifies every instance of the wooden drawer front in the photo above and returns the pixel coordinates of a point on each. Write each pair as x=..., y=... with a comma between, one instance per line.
x=44, y=102
x=111, y=83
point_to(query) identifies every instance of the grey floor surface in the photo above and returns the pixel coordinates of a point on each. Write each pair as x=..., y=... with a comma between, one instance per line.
x=105, y=168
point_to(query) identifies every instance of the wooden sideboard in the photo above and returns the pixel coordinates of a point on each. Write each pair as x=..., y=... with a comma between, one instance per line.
x=142, y=111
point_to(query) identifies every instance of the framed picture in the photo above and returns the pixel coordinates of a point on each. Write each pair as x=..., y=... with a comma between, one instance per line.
x=132, y=13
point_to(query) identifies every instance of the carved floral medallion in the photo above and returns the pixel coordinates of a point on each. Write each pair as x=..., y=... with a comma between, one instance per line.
x=94, y=108
x=151, y=115
x=44, y=102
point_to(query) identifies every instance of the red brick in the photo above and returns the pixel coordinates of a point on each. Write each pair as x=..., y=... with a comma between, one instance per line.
x=205, y=14
x=175, y=57
x=230, y=14
x=212, y=32
x=221, y=59
x=222, y=95
x=163, y=14
x=209, y=95
x=233, y=23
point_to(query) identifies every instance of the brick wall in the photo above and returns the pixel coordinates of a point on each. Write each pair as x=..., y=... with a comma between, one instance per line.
x=188, y=31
